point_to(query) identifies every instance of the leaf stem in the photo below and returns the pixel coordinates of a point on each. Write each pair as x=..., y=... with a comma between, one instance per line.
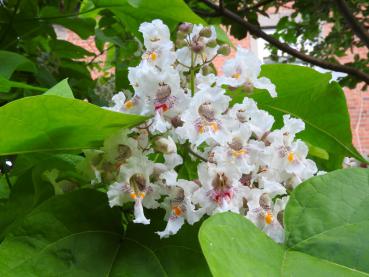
x=196, y=154
x=192, y=75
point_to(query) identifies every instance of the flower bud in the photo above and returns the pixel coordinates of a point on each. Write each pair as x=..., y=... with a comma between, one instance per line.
x=180, y=43
x=224, y=50
x=212, y=44
x=205, y=32
x=197, y=46
x=185, y=28
x=165, y=145
x=206, y=70
x=181, y=35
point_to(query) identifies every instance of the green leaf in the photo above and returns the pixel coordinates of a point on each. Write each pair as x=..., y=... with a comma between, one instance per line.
x=11, y=62
x=20, y=202
x=30, y=188
x=180, y=255
x=84, y=27
x=6, y=85
x=65, y=49
x=326, y=222
x=244, y=250
x=308, y=94
x=134, y=12
x=61, y=89
x=52, y=123
x=79, y=235
x=332, y=212
x=188, y=169
x=222, y=36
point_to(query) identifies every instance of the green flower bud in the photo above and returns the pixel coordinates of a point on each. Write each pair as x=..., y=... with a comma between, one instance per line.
x=207, y=69
x=180, y=43
x=224, y=50
x=205, y=32
x=212, y=44
x=185, y=28
x=181, y=35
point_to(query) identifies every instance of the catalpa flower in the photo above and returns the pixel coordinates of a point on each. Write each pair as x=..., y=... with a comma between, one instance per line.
x=160, y=92
x=179, y=208
x=244, y=165
x=247, y=113
x=266, y=215
x=220, y=189
x=203, y=118
x=135, y=186
x=244, y=70
x=155, y=33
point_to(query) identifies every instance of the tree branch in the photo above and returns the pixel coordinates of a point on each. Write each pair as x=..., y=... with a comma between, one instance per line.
x=356, y=27
x=258, y=32
x=258, y=5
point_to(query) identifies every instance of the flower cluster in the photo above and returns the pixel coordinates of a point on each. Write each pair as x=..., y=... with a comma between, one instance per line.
x=244, y=165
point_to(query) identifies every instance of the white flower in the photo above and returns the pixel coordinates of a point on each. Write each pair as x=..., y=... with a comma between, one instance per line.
x=203, y=118
x=220, y=189
x=160, y=92
x=244, y=70
x=266, y=215
x=155, y=33
x=121, y=104
x=260, y=122
x=249, y=168
x=204, y=81
x=119, y=148
x=179, y=208
x=165, y=145
x=287, y=134
x=237, y=151
x=135, y=186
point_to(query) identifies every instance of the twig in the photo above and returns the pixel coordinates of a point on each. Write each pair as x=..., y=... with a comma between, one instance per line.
x=258, y=5
x=100, y=54
x=356, y=27
x=196, y=154
x=258, y=32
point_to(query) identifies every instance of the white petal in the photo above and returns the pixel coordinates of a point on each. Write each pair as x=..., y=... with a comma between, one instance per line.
x=139, y=213
x=173, y=226
x=265, y=83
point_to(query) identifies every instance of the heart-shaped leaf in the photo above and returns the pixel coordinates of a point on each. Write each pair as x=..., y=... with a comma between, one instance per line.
x=77, y=234
x=326, y=220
